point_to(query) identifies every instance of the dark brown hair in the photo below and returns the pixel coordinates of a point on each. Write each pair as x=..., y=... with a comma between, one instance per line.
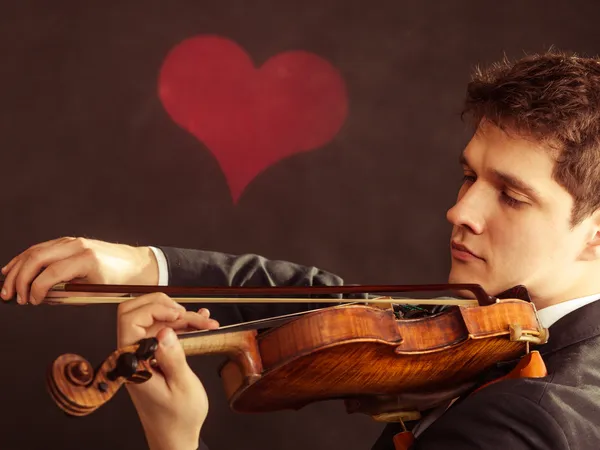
x=554, y=98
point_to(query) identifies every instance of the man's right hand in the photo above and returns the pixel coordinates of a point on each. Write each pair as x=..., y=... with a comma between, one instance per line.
x=32, y=273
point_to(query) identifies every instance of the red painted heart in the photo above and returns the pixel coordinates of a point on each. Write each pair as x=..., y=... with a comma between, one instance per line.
x=248, y=117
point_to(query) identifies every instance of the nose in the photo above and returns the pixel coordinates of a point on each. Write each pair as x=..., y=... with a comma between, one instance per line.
x=468, y=211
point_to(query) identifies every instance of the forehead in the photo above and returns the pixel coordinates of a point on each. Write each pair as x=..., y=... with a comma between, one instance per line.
x=492, y=150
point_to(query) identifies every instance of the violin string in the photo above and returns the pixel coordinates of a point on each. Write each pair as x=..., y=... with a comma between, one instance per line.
x=279, y=320
x=254, y=324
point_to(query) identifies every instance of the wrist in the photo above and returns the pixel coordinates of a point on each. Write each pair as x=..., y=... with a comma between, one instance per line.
x=148, y=267
x=168, y=433
x=167, y=441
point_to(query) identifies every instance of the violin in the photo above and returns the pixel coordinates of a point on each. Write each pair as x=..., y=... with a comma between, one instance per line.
x=360, y=353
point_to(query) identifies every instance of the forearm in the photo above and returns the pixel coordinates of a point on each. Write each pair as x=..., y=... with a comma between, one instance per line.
x=207, y=268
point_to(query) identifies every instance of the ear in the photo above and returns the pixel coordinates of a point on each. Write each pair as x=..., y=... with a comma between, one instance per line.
x=593, y=244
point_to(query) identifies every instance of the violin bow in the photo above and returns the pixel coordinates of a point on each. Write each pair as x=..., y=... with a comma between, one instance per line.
x=109, y=293
x=234, y=294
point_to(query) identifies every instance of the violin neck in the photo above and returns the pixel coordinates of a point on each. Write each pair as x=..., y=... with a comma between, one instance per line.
x=240, y=346
x=213, y=344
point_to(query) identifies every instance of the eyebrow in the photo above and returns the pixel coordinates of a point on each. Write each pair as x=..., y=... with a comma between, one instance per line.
x=510, y=180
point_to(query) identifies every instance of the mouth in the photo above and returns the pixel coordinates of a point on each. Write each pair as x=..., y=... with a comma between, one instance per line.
x=463, y=252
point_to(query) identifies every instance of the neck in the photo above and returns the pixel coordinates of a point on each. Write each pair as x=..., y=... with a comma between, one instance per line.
x=582, y=287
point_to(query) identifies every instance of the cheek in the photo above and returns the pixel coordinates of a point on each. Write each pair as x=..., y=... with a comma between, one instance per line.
x=518, y=247
x=529, y=246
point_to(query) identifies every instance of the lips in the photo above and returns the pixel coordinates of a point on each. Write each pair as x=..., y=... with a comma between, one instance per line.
x=463, y=248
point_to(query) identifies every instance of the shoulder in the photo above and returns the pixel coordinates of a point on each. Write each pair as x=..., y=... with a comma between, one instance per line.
x=507, y=415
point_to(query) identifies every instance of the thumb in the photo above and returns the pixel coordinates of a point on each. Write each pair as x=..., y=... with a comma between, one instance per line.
x=171, y=358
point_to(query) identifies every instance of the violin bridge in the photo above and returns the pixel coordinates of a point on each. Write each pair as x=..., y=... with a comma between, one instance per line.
x=380, y=304
x=517, y=334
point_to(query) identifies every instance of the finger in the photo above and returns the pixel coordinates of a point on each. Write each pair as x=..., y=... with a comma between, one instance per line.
x=77, y=266
x=10, y=264
x=13, y=261
x=195, y=321
x=63, y=262
x=187, y=330
x=8, y=290
x=172, y=361
x=189, y=322
x=146, y=299
x=183, y=327
x=204, y=312
x=144, y=322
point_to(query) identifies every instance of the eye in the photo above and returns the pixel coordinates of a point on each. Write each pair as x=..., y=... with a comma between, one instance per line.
x=469, y=178
x=510, y=201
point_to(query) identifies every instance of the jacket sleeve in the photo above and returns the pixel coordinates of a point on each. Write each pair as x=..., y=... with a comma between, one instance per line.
x=494, y=420
x=188, y=267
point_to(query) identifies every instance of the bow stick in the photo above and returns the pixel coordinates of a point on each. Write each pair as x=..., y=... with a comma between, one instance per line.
x=192, y=294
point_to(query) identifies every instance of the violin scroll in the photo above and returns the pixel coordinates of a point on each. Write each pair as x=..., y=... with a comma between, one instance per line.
x=79, y=390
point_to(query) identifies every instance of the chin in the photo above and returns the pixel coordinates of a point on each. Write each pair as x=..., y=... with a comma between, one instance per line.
x=492, y=287
x=461, y=276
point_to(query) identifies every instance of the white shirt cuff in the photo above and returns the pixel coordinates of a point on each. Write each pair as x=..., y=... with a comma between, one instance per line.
x=163, y=270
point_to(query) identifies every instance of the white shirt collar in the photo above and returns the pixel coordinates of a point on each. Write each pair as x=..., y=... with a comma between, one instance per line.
x=550, y=314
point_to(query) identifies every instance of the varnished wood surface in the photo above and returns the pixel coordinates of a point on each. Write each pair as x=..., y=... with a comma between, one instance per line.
x=359, y=350
x=81, y=397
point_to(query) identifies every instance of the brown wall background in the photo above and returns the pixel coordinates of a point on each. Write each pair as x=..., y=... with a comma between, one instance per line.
x=87, y=149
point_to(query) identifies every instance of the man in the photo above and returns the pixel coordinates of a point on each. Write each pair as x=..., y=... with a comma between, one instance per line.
x=527, y=213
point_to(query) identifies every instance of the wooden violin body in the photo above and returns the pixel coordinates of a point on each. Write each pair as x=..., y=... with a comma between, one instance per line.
x=342, y=352
x=362, y=351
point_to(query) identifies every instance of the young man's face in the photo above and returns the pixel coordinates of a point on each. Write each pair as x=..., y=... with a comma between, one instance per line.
x=515, y=219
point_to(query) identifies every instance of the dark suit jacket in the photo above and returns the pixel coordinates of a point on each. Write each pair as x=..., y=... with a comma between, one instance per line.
x=560, y=411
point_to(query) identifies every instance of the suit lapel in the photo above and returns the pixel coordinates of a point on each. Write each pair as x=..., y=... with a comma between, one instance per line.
x=577, y=326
